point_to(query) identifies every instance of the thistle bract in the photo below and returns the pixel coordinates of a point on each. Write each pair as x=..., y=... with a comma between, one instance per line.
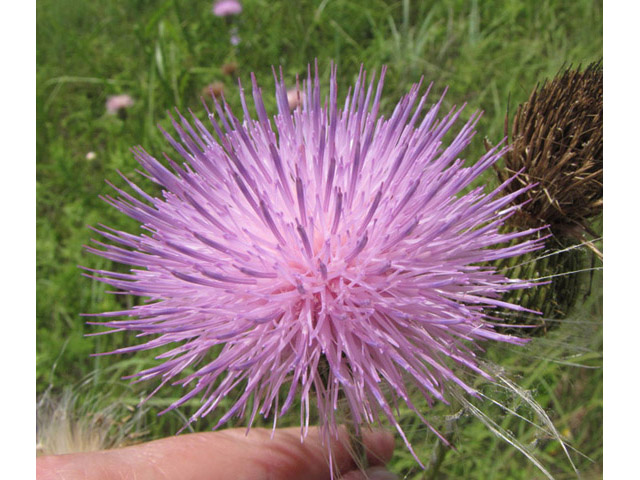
x=323, y=236
x=556, y=145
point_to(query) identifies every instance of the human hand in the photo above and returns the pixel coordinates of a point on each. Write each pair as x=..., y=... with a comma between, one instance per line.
x=227, y=454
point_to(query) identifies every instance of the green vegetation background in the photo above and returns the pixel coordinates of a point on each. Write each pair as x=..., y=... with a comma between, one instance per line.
x=489, y=53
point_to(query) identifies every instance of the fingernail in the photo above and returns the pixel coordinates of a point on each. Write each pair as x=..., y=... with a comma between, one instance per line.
x=380, y=473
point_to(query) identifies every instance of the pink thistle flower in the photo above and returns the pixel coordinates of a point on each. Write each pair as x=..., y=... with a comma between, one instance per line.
x=294, y=98
x=328, y=235
x=115, y=103
x=224, y=8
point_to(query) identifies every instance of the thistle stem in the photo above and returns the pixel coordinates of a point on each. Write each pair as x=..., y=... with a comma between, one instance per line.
x=359, y=450
x=440, y=449
x=437, y=457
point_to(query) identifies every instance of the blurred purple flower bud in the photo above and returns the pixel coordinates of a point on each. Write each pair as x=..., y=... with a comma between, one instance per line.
x=224, y=8
x=115, y=103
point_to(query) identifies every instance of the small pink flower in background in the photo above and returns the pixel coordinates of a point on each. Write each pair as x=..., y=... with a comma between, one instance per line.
x=224, y=8
x=91, y=155
x=294, y=97
x=234, y=37
x=115, y=103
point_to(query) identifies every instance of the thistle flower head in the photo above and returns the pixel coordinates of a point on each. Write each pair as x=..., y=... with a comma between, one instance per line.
x=229, y=68
x=224, y=8
x=116, y=103
x=556, y=141
x=294, y=98
x=324, y=236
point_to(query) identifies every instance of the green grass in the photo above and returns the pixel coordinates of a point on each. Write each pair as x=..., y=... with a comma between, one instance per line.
x=489, y=53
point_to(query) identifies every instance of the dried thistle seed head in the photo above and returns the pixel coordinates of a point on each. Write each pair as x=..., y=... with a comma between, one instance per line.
x=215, y=89
x=229, y=68
x=556, y=143
x=556, y=139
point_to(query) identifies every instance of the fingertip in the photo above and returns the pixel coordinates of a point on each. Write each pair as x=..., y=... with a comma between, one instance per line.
x=379, y=473
x=375, y=473
x=379, y=445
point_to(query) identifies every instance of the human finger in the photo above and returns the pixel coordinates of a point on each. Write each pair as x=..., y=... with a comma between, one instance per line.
x=224, y=454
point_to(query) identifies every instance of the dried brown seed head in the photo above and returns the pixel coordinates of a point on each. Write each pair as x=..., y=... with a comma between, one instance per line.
x=556, y=137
